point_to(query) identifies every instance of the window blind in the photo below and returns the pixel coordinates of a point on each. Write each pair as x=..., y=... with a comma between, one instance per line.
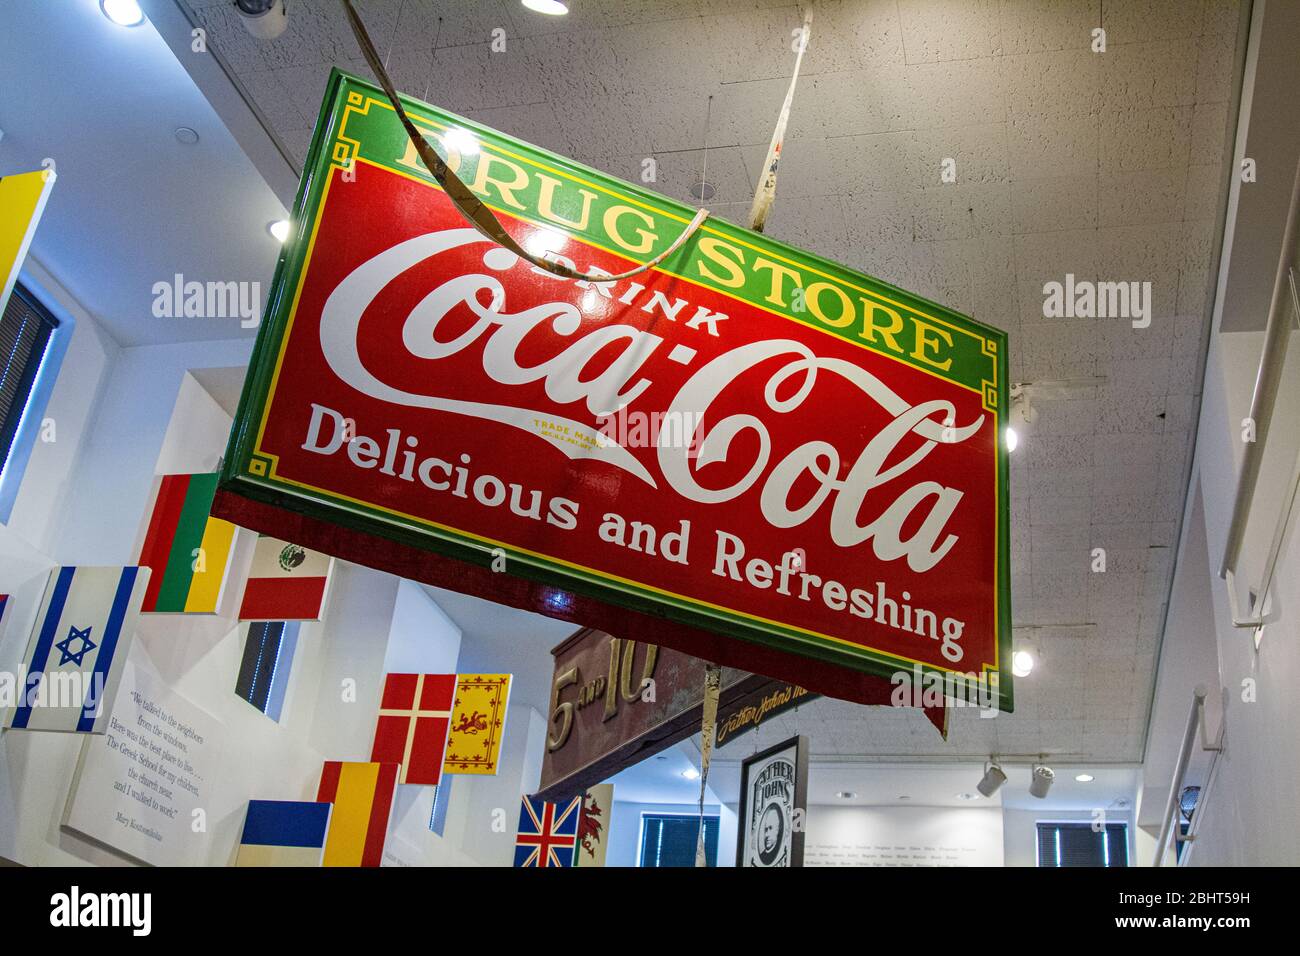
x=25, y=329
x=670, y=840
x=1078, y=844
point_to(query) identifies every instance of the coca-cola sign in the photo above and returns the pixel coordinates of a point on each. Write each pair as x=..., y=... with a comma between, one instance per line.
x=746, y=440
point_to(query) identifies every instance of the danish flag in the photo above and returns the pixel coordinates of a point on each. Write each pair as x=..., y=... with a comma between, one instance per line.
x=414, y=716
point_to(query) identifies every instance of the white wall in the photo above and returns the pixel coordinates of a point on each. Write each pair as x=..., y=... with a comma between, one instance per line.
x=1250, y=812
x=903, y=836
x=122, y=417
x=43, y=497
x=1020, y=832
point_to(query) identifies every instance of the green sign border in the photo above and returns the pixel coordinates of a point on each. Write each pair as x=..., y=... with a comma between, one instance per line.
x=981, y=367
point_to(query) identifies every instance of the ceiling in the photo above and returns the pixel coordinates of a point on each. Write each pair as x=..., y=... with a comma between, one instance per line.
x=1106, y=165
x=496, y=638
x=124, y=180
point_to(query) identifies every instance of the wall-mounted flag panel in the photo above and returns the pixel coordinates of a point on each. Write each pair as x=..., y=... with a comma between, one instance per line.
x=362, y=794
x=78, y=648
x=548, y=832
x=22, y=200
x=414, y=715
x=287, y=582
x=283, y=833
x=187, y=549
x=478, y=723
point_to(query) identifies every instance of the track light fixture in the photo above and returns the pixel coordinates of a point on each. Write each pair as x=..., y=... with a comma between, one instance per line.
x=1040, y=781
x=1021, y=418
x=264, y=19
x=993, y=779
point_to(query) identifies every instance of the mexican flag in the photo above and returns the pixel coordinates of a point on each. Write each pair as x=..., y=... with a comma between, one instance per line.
x=286, y=583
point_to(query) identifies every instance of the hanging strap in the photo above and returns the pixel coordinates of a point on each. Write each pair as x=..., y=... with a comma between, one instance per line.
x=708, y=726
x=765, y=194
x=470, y=206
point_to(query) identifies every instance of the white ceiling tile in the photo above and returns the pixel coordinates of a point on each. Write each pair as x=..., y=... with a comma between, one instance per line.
x=934, y=30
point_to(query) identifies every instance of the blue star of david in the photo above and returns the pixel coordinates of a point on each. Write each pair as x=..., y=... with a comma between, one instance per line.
x=71, y=656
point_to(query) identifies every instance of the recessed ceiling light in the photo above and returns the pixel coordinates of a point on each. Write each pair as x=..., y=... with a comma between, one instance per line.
x=1012, y=439
x=279, y=229
x=690, y=773
x=552, y=7
x=968, y=796
x=186, y=135
x=1083, y=777
x=125, y=13
x=462, y=141
x=846, y=794
x=1022, y=662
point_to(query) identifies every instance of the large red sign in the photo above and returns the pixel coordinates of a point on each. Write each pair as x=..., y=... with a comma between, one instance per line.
x=747, y=441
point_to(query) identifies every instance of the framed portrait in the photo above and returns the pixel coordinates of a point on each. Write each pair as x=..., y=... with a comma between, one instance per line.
x=773, y=805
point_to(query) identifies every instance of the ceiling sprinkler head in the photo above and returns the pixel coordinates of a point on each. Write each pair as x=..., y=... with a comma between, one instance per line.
x=703, y=191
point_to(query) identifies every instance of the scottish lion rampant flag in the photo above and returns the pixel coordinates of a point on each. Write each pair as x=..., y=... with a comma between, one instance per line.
x=78, y=648
x=548, y=832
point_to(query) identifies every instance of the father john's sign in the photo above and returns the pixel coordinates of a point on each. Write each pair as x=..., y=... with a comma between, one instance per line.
x=748, y=453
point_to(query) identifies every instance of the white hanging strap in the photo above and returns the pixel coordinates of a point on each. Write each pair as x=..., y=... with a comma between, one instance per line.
x=765, y=195
x=477, y=214
x=708, y=727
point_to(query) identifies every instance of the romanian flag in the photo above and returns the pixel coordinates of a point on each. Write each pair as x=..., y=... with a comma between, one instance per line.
x=362, y=794
x=22, y=200
x=283, y=833
x=285, y=583
x=187, y=549
x=414, y=714
x=478, y=723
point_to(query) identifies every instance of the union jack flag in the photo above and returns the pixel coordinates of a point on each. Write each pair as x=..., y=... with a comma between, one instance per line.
x=548, y=832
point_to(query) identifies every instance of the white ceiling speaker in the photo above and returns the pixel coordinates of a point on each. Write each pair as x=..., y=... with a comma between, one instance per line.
x=1040, y=781
x=993, y=779
x=265, y=19
x=703, y=191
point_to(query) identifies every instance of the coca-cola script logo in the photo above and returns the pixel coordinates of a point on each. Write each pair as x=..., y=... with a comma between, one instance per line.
x=622, y=381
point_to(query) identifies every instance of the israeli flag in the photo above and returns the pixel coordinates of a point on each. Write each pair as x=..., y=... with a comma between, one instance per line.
x=77, y=649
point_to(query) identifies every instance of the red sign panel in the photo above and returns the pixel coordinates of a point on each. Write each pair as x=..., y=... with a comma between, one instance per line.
x=794, y=467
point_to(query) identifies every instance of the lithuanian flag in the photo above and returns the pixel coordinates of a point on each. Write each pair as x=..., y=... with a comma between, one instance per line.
x=188, y=550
